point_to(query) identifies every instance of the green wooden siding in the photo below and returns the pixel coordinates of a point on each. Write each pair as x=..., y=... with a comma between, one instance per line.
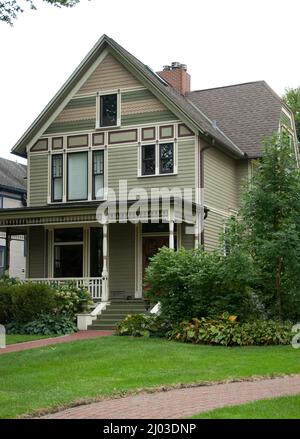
x=149, y=117
x=89, y=101
x=213, y=226
x=37, y=259
x=38, y=175
x=136, y=95
x=121, y=258
x=220, y=188
x=77, y=125
x=123, y=164
x=241, y=176
x=130, y=119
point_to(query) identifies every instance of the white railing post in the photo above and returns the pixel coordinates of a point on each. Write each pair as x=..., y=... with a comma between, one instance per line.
x=104, y=270
x=171, y=234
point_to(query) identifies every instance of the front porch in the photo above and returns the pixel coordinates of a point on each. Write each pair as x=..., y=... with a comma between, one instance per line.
x=109, y=259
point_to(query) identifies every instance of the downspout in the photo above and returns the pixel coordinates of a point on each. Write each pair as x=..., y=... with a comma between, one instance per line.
x=201, y=167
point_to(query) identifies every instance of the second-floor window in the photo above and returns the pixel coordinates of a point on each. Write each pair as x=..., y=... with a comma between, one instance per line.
x=108, y=110
x=77, y=183
x=57, y=177
x=98, y=174
x=157, y=159
x=78, y=176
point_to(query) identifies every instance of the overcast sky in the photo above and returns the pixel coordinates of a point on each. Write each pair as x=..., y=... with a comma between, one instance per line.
x=222, y=42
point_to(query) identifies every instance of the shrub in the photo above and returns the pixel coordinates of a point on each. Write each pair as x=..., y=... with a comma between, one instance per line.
x=45, y=324
x=5, y=304
x=190, y=283
x=71, y=300
x=227, y=331
x=141, y=325
x=29, y=300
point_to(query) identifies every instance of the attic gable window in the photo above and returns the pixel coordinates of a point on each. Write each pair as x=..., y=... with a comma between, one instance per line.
x=109, y=110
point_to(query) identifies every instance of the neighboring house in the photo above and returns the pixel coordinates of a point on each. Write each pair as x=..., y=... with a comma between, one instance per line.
x=12, y=195
x=115, y=119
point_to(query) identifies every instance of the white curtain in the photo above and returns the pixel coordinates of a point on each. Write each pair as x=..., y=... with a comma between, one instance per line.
x=77, y=176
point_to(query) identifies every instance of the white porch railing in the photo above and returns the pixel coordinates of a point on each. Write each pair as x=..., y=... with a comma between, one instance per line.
x=93, y=284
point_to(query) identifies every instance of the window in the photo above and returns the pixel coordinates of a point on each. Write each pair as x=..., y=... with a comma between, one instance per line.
x=57, y=177
x=109, y=110
x=98, y=174
x=68, y=252
x=148, y=160
x=77, y=176
x=2, y=257
x=166, y=158
x=158, y=159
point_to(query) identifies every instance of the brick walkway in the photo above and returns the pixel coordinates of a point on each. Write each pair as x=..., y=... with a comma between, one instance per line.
x=180, y=403
x=80, y=335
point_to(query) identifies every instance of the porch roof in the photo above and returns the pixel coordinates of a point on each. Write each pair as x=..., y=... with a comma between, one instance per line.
x=84, y=212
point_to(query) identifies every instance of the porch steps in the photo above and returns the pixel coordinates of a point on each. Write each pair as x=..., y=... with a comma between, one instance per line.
x=116, y=311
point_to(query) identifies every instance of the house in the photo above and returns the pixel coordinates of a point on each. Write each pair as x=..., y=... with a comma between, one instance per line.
x=12, y=195
x=116, y=124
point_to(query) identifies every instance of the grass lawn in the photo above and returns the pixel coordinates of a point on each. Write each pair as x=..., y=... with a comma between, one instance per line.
x=58, y=375
x=19, y=338
x=287, y=407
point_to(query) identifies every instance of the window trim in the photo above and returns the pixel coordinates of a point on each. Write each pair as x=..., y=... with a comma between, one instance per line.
x=97, y=151
x=87, y=177
x=53, y=200
x=98, y=109
x=157, y=159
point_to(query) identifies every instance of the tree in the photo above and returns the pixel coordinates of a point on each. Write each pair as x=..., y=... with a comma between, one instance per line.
x=269, y=229
x=9, y=9
x=292, y=99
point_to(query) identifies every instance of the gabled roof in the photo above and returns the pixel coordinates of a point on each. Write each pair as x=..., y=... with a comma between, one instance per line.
x=12, y=175
x=245, y=112
x=177, y=103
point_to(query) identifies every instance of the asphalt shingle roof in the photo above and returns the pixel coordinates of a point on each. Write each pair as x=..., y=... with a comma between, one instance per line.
x=12, y=174
x=245, y=112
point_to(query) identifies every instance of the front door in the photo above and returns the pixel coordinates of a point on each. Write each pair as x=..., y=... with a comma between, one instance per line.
x=151, y=245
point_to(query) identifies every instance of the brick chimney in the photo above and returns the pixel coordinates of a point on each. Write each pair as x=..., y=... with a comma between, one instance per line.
x=177, y=76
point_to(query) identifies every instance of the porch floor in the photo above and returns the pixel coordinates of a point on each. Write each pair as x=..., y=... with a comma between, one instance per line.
x=80, y=335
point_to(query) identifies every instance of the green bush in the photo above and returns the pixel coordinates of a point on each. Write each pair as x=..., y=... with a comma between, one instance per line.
x=227, y=331
x=45, y=324
x=141, y=325
x=71, y=300
x=190, y=283
x=29, y=300
x=5, y=304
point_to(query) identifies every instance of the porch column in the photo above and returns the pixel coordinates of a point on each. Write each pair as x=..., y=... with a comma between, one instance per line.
x=104, y=270
x=196, y=234
x=171, y=234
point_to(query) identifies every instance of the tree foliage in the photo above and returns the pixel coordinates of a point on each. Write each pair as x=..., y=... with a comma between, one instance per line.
x=292, y=99
x=10, y=9
x=269, y=229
